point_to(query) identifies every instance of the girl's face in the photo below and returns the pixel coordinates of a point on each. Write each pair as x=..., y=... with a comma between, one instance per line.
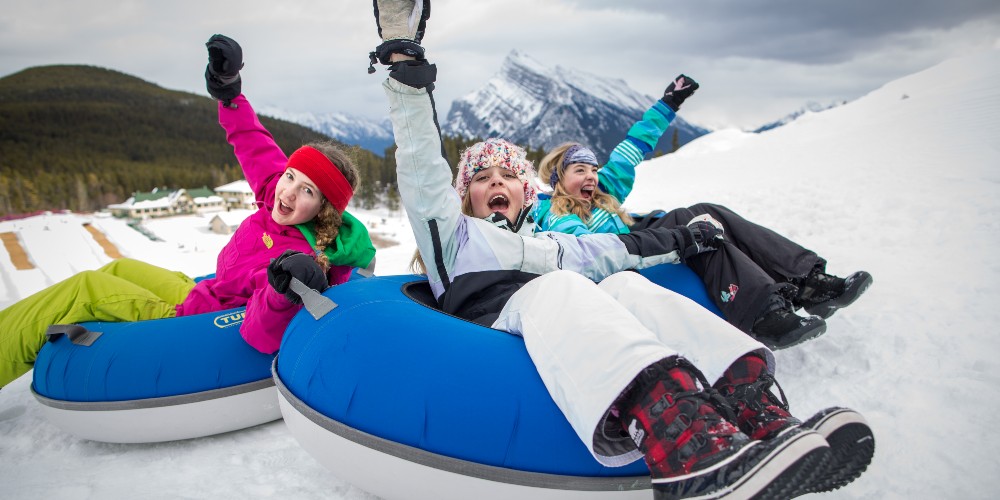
x=580, y=180
x=496, y=189
x=296, y=199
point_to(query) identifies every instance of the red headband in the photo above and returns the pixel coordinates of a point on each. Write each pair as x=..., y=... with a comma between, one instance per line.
x=327, y=177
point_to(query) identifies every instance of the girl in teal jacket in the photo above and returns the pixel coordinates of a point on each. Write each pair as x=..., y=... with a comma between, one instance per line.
x=586, y=198
x=757, y=278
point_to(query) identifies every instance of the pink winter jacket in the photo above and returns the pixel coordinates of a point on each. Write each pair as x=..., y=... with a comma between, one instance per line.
x=241, y=270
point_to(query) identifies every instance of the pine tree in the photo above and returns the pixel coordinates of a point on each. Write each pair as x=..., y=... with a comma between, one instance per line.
x=392, y=198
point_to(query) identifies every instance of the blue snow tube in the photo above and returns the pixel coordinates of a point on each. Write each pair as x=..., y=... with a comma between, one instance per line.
x=149, y=359
x=156, y=380
x=389, y=379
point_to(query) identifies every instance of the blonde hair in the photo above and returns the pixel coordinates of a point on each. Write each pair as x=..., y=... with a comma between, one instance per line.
x=565, y=203
x=329, y=220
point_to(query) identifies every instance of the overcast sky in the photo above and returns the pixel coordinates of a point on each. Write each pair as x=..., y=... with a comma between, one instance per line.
x=756, y=60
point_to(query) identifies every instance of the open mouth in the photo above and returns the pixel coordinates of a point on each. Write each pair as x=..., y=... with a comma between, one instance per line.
x=587, y=192
x=499, y=203
x=284, y=209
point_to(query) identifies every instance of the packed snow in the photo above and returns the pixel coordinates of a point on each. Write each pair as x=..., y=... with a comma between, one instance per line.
x=904, y=183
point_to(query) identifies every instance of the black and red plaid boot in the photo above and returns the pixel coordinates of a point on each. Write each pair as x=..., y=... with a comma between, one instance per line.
x=692, y=451
x=763, y=416
x=760, y=414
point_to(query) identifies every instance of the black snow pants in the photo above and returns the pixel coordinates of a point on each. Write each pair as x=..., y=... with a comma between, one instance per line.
x=752, y=263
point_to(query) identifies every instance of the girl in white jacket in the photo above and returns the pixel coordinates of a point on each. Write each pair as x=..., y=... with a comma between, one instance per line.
x=628, y=362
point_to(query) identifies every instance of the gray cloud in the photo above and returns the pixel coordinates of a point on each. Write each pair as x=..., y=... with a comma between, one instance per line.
x=758, y=60
x=805, y=32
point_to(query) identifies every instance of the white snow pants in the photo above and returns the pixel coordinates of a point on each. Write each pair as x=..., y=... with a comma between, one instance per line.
x=589, y=341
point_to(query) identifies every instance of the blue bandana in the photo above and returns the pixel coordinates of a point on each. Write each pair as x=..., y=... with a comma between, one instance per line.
x=575, y=154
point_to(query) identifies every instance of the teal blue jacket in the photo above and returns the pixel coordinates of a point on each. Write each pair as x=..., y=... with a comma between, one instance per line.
x=615, y=178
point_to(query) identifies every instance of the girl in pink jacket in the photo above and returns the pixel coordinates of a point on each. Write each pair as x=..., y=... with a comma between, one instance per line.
x=300, y=230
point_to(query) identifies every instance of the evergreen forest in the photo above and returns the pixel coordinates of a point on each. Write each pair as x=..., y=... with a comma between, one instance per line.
x=82, y=137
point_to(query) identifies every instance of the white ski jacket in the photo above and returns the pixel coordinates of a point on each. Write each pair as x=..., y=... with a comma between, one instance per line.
x=472, y=265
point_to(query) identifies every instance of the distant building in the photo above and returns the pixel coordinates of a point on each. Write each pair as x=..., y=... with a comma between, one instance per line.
x=227, y=222
x=237, y=195
x=156, y=203
x=161, y=202
x=205, y=200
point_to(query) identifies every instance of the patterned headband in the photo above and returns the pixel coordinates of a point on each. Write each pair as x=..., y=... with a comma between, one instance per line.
x=575, y=154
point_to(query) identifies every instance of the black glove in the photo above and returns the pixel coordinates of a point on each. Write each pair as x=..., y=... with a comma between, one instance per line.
x=706, y=233
x=681, y=88
x=222, y=75
x=399, y=29
x=706, y=238
x=658, y=241
x=386, y=49
x=416, y=74
x=293, y=264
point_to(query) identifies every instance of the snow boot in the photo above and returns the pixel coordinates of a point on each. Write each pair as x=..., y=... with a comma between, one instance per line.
x=852, y=444
x=692, y=451
x=822, y=294
x=760, y=414
x=779, y=327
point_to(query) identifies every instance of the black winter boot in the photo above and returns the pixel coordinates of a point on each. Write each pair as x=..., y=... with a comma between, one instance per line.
x=822, y=294
x=779, y=327
x=692, y=451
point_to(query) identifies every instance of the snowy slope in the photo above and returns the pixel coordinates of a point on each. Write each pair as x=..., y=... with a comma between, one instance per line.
x=872, y=185
x=869, y=185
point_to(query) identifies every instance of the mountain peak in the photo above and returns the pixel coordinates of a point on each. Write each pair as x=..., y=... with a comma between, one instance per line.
x=518, y=59
x=809, y=107
x=540, y=106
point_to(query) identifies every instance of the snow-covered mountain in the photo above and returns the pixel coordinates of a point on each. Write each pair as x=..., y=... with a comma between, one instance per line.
x=810, y=107
x=531, y=104
x=373, y=135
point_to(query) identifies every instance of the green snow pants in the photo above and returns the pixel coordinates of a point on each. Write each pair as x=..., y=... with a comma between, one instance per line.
x=123, y=290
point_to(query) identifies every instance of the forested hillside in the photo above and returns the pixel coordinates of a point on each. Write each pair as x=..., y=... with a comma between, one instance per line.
x=83, y=137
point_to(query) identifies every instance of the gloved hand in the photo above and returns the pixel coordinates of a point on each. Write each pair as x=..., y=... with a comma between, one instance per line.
x=293, y=264
x=222, y=75
x=681, y=88
x=705, y=233
x=705, y=237
x=401, y=26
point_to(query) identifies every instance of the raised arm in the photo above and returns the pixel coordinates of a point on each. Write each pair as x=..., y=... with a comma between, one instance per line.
x=423, y=174
x=259, y=156
x=618, y=176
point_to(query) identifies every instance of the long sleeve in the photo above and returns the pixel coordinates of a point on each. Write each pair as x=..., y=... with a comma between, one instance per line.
x=259, y=156
x=601, y=221
x=424, y=179
x=566, y=223
x=268, y=314
x=618, y=176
